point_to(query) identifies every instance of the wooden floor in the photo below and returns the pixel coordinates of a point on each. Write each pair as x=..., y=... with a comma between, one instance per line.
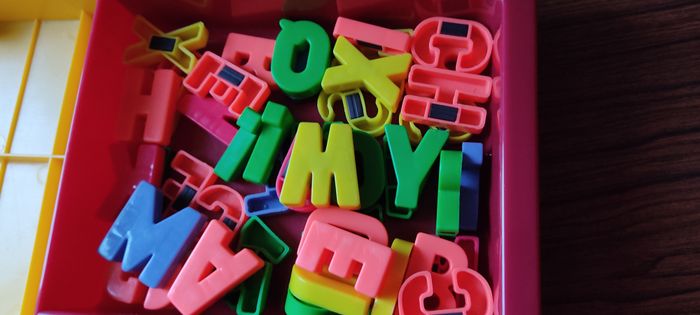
x=619, y=86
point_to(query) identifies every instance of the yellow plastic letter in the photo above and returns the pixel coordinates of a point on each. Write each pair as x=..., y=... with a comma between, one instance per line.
x=309, y=163
x=382, y=77
x=327, y=293
x=386, y=300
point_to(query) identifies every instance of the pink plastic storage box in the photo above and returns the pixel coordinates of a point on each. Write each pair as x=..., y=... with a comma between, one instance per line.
x=98, y=162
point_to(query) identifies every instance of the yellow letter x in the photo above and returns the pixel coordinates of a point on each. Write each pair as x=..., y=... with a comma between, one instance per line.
x=177, y=46
x=378, y=76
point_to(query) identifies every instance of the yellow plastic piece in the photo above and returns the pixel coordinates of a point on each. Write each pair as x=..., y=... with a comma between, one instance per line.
x=187, y=40
x=415, y=134
x=7, y=146
x=45, y=10
x=382, y=77
x=309, y=163
x=385, y=302
x=53, y=177
x=39, y=94
x=371, y=125
x=458, y=137
x=327, y=293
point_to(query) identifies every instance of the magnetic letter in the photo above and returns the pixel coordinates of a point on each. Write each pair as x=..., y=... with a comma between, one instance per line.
x=301, y=55
x=310, y=164
x=257, y=142
x=142, y=243
x=412, y=167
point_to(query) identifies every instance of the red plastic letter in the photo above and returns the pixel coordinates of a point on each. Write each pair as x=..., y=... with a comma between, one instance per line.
x=199, y=285
x=155, y=105
x=227, y=83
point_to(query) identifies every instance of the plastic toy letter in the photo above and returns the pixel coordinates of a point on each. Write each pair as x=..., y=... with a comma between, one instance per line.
x=258, y=140
x=412, y=167
x=301, y=56
x=327, y=293
x=373, y=181
x=294, y=306
x=451, y=280
x=199, y=285
x=425, y=250
x=176, y=46
x=448, y=205
x=138, y=240
x=381, y=76
x=348, y=250
x=385, y=302
x=157, y=106
x=264, y=203
x=253, y=292
x=125, y=287
x=258, y=237
x=473, y=155
x=309, y=160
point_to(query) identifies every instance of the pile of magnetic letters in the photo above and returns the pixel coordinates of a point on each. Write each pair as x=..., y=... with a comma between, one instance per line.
x=300, y=195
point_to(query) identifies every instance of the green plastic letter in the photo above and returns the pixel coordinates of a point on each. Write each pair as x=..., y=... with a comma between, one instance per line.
x=300, y=58
x=411, y=167
x=447, y=221
x=370, y=167
x=257, y=141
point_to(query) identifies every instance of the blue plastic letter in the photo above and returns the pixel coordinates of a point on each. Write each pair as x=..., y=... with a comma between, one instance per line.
x=142, y=243
x=472, y=158
x=264, y=203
